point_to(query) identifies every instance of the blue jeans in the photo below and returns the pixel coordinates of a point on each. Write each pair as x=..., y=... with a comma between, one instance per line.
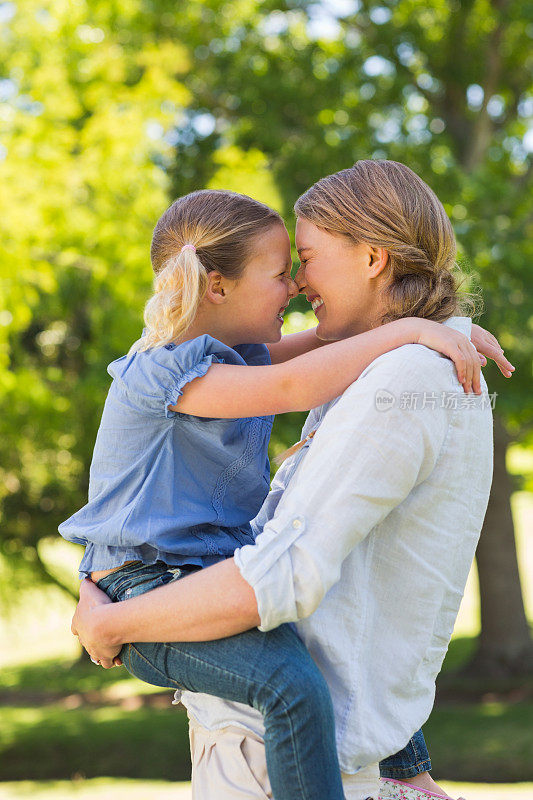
x=410, y=761
x=273, y=672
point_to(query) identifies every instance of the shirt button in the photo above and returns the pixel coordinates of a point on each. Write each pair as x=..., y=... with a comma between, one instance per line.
x=296, y=523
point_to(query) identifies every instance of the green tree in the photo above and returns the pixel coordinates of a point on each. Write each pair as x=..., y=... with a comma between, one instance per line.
x=110, y=108
x=85, y=93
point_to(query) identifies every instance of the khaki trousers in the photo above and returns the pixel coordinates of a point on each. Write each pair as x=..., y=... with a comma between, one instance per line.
x=229, y=764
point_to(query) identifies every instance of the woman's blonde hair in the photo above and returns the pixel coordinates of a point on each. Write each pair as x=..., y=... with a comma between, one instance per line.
x=200, y=232
x=385, y=204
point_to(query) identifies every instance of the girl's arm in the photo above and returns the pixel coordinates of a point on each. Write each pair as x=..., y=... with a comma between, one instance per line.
x=229, y=391
x=296, y=344
x=293, y=345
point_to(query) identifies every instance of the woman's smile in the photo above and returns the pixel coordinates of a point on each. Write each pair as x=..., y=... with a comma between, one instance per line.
x=316, y=302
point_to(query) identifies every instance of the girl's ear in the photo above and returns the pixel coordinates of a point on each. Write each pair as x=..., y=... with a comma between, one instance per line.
x=379, y=258
x=217, y=288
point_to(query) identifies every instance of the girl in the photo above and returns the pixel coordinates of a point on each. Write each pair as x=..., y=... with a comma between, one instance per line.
x=180, y=464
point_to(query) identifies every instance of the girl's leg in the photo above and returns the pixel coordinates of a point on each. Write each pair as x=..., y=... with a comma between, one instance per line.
x=410, y=761
x=229, y=764
x=411, y=765
x=273, y=672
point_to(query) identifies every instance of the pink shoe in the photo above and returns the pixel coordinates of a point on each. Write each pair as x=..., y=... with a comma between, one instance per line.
x=390, y=789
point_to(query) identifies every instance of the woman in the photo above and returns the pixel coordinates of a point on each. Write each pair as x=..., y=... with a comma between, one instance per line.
x=368, y=535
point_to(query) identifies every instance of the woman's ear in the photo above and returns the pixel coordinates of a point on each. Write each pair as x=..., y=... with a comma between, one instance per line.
x=378, y=260
x=217, y=288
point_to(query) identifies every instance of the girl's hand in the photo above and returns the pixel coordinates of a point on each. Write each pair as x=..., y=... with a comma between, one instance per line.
x=489, y=347
x=456, y=346
x=85, y=625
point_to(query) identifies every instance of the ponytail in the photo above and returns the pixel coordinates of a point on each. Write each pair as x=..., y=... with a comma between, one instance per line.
x=178, y=289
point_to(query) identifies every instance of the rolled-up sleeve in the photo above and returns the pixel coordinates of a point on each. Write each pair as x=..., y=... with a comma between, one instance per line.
x=363, y=462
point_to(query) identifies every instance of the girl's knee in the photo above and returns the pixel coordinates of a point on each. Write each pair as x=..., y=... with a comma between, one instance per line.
x=296, y=684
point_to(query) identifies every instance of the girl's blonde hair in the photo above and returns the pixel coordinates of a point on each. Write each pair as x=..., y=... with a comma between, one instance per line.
x=220, y=229
x=385, y=204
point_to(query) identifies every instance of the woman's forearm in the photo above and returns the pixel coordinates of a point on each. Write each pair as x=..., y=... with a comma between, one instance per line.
x=210, y=604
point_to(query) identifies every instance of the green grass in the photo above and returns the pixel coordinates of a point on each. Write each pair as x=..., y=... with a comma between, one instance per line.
x=491, y=742
x=62, y=676
x=484, y=791
x=53, y=742
x=101, y=788
x=109, y=789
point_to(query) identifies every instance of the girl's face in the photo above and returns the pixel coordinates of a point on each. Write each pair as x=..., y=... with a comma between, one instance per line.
x=257, y=301
x=340, y=281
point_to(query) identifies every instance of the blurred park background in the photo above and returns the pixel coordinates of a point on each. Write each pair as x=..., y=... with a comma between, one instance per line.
x=109, y=109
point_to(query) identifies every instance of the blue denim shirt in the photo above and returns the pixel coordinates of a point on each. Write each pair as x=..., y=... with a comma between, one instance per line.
x=169, y=486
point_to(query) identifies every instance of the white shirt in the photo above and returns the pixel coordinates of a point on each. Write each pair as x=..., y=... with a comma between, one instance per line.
x=366, y=541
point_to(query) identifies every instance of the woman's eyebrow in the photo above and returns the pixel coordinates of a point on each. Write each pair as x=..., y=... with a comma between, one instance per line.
x=302, y=250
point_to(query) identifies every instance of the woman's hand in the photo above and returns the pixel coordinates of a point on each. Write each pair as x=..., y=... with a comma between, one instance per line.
x=489, y=347
x=85, y=626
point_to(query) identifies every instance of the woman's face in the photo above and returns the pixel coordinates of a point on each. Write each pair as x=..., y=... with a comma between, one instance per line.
x=341, y=280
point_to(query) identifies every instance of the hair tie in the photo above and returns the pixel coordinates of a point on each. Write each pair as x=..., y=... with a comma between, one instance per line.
x=190, y=246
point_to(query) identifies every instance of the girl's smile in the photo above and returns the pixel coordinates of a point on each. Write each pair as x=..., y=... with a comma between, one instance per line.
x=258, y=300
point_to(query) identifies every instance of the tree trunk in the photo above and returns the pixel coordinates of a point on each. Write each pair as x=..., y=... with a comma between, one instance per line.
x=505, y=647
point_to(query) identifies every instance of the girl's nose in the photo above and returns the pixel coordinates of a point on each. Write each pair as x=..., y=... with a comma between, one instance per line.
x=293, y=288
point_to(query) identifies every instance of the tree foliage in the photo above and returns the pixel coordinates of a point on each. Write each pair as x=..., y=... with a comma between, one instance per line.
x=110, y=108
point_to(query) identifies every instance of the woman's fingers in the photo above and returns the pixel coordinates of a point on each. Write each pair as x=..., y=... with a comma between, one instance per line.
x=107, y=663
x=104, y=661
